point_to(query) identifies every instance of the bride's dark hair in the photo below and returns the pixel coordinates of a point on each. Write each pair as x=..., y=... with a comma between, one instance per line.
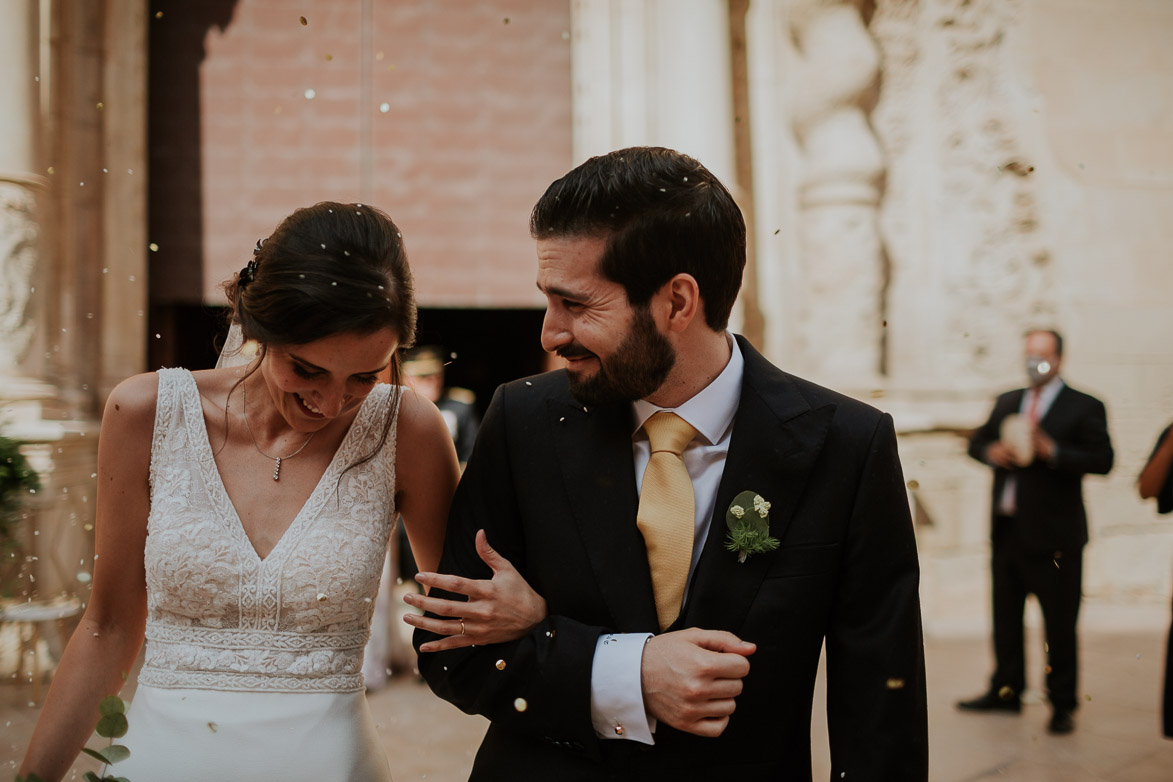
x=327, y=269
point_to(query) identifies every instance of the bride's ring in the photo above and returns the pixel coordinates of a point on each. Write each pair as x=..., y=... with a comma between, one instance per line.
x=462, y=627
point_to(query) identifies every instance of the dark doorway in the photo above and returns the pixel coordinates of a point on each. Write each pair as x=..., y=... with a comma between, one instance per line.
x=490, y=347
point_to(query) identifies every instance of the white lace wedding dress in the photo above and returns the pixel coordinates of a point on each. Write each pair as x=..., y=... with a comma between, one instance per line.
x=253, y=666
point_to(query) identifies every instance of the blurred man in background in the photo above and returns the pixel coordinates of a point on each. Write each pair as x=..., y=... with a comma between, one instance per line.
x=1040, y=441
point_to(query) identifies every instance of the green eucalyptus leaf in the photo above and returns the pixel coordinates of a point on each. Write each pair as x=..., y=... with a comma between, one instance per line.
x=111, y=704
x=95, y=753
x=90, y=776
x=744, y=501
x=29, y=778
x=112, y=726
x=116, y=753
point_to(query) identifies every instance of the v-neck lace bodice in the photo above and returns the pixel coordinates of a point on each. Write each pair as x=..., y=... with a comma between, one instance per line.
x=220, y=617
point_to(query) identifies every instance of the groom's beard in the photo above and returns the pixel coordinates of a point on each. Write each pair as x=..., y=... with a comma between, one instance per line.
x=635, y=370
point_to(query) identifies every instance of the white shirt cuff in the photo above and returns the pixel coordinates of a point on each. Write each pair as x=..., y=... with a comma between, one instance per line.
x=617, y=700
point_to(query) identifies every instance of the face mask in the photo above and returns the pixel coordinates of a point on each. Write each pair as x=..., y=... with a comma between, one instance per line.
x=1038, y=369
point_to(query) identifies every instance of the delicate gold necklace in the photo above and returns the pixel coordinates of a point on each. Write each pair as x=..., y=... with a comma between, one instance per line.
x=277, y=459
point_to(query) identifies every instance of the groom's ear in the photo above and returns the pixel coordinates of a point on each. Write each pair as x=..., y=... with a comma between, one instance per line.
x=679, y=300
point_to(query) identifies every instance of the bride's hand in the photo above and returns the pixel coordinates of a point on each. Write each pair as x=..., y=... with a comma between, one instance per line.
x=500, y=609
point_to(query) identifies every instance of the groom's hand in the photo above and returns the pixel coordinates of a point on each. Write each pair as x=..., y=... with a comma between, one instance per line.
x=691, y=677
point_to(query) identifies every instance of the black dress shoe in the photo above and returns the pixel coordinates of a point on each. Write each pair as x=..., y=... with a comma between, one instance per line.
x=1061, y=722
x=992, y=701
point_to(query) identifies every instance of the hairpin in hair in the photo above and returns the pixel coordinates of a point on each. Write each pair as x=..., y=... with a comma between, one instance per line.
x=248, y=273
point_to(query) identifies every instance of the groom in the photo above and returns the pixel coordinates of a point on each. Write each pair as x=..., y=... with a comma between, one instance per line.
x=614, y=485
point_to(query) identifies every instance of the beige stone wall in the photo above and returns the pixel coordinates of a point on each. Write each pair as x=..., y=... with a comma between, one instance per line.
x=1030, y=182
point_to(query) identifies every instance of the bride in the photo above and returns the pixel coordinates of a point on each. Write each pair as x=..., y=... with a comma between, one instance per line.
x=242, y=521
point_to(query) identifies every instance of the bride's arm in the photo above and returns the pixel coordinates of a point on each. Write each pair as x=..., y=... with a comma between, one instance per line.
x=499, y=609
x=103, y=649
x=426, y=473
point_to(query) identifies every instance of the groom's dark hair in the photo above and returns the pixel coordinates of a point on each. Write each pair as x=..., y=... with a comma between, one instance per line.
x=662, y=213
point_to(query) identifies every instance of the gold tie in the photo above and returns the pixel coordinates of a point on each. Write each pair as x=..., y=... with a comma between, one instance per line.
x=667, y=515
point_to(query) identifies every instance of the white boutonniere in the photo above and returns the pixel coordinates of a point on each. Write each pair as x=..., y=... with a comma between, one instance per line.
x=748, y=519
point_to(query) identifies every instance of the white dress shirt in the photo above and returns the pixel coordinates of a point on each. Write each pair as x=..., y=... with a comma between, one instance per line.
x=617, y=708
x=1007, y=503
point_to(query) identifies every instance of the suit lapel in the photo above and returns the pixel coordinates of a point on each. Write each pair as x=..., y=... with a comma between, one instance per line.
x=776, y=439
x=598, y=471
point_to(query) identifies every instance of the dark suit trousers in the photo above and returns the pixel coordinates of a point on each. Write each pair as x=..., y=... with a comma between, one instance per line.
x=1056, y=579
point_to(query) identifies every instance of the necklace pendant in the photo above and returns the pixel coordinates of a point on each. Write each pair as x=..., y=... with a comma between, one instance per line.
x=277, y=470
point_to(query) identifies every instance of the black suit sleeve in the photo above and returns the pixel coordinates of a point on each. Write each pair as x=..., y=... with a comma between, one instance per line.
x=876, y=702
x=539, y=684
x=1086, y=446
x=1165, y=496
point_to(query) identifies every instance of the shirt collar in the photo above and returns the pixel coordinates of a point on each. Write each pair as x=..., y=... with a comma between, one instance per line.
x=710, y=411
x=1050, y=387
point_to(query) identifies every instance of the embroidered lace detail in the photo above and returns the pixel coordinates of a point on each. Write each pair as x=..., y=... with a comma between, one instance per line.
x=220, y=617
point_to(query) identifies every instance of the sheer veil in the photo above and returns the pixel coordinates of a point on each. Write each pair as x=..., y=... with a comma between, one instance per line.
x=234, y=353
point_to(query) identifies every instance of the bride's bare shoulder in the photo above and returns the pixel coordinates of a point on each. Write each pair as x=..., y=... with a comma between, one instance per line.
x=131, y=405
x=216, y=384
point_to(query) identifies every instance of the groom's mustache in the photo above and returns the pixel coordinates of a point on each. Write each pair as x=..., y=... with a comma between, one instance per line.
x=574, y=351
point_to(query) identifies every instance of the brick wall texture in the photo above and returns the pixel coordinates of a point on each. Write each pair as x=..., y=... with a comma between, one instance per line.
x=451, y=115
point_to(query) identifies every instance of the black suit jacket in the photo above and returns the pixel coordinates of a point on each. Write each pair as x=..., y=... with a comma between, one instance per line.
x=1049, y=495
x=1165, y=496
x=553, y=485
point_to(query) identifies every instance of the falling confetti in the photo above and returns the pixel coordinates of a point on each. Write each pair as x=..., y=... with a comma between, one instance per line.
x=154, y=247
x=520, y=704
x=302, y=20
x=310, y=94
x=384, y=107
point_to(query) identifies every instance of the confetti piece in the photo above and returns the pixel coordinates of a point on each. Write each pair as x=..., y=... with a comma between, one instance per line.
x=302, y=20
x=520, y=704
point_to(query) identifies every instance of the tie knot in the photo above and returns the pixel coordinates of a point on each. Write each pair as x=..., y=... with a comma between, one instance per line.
x=669, y=432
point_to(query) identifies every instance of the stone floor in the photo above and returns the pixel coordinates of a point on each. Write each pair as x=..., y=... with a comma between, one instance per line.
x=1117, y=738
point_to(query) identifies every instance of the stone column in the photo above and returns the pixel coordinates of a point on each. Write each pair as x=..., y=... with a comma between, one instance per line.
x=654, y=72
x=842, y=258
x=124, y=199
x=20, y=392
x=59, y=440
